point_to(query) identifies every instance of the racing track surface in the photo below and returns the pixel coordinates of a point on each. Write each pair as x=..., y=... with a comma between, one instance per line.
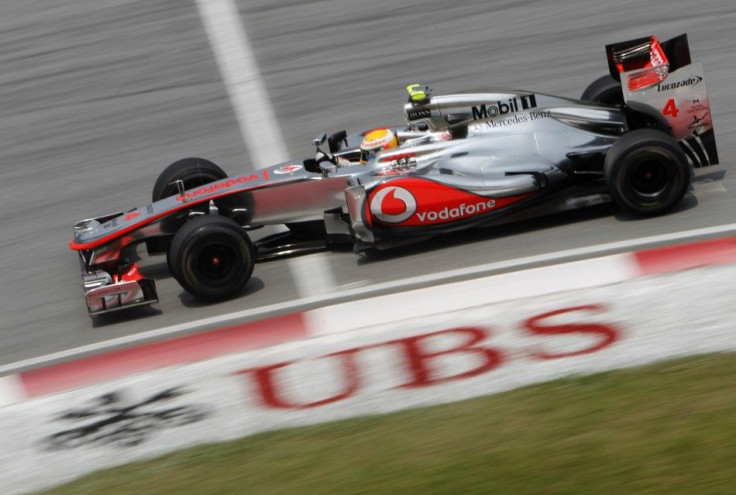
x=97, y=96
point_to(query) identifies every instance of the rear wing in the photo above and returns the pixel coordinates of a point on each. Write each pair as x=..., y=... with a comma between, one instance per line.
x=662, y=75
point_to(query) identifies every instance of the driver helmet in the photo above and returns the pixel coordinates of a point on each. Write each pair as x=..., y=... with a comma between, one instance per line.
x=375, y=141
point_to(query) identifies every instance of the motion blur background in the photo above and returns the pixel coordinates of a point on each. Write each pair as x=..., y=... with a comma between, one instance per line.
x=98, y=96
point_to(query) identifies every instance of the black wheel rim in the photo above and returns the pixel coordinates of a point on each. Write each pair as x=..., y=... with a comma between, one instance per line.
x=215, y=264
x=650, y=178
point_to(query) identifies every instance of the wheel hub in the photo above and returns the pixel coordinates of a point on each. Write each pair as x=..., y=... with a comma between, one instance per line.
x=649, y=178
x=215, y=261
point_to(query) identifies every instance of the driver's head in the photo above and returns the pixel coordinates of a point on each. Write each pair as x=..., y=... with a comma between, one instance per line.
x=375, y=141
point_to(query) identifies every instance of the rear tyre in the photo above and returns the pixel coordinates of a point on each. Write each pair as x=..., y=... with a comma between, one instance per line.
x=211, y=257
x=605, y=90
x=646, y=172
x=192, y=172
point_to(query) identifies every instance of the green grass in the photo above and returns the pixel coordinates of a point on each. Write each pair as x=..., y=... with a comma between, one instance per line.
x=668, y=428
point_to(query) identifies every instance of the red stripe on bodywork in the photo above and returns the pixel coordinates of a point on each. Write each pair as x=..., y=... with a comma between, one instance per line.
x=81, y=246
x=673, y=258
x=146, y=357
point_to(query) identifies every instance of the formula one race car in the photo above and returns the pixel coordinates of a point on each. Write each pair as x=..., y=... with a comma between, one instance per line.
x=462, y=160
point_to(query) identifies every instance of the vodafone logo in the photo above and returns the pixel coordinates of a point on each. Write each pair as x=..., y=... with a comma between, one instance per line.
x=393, y=205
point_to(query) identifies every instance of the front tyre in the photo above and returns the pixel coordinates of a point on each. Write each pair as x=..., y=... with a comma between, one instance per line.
x=192, y=172
x=211, y=257
x=646, y=172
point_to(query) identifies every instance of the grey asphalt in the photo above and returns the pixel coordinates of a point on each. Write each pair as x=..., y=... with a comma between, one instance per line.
x=97, y=97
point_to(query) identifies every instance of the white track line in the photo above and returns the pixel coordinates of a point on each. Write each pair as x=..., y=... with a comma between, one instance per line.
x=312, y=275
x=239, y=70
x=253, y=110
x=369, y=291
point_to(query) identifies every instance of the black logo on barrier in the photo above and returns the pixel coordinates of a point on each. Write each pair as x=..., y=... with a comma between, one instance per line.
x=108, y=420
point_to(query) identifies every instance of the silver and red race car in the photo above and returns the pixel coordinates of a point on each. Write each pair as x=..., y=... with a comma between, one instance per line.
x=462, y=160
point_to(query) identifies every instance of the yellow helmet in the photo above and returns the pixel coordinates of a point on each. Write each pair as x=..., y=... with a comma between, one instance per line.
x=375, y=141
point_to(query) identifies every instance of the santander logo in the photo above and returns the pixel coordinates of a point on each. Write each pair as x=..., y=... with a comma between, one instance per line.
x=393, y=204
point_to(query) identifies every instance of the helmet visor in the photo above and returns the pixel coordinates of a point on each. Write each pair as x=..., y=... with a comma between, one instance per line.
x=367, y=155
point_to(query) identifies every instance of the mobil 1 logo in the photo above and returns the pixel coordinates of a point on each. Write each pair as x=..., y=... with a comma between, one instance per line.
x=512, y=105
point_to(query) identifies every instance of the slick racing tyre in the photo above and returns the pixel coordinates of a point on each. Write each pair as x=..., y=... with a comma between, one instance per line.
x=192, y=172
x=211, y=257
x=606, y=90
x=646, y=172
